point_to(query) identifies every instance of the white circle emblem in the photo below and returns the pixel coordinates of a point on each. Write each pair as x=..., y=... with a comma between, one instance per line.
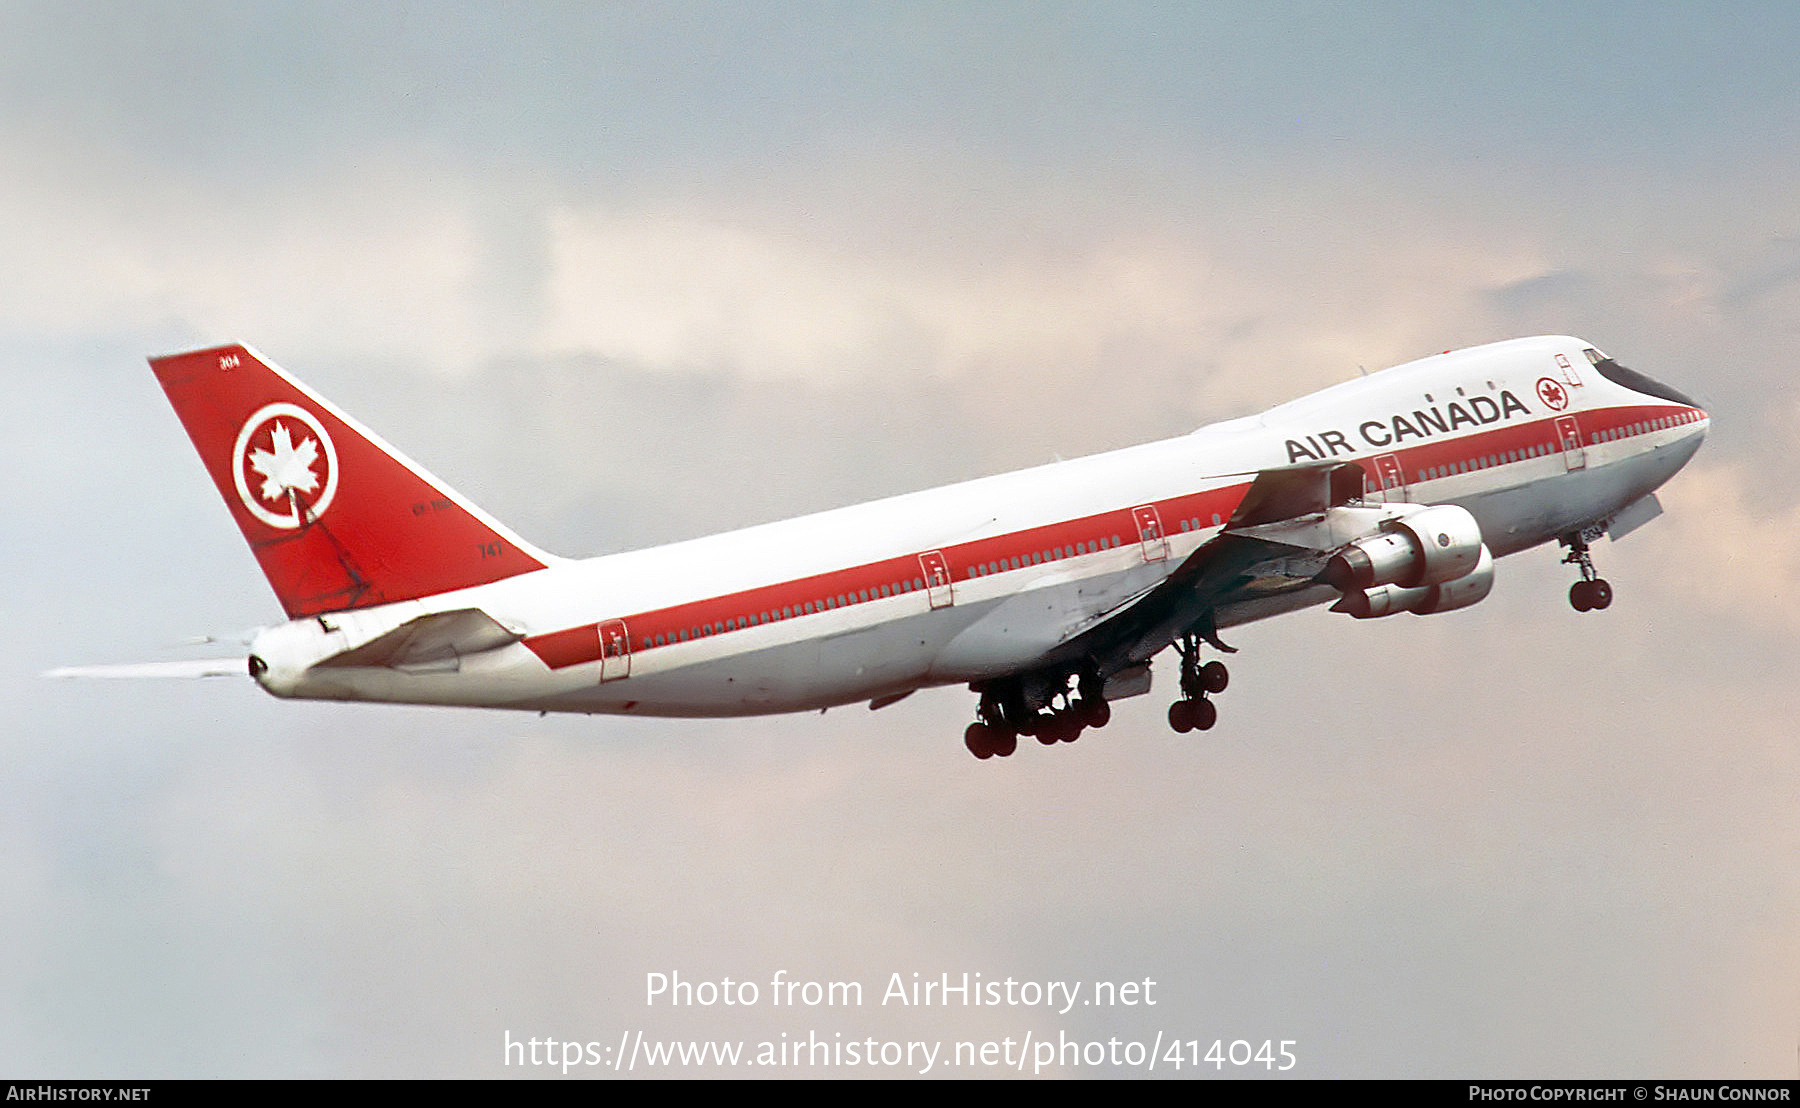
x=285, y=466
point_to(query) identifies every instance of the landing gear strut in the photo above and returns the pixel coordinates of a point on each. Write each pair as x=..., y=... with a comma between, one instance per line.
x=1195, y=710
x=1591, y=593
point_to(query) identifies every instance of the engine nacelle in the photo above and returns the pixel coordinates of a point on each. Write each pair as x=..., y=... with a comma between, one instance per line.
x=1387, y=600
x=1420, y=549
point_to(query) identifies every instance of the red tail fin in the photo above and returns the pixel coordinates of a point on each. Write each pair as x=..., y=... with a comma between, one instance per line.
x=337, y=517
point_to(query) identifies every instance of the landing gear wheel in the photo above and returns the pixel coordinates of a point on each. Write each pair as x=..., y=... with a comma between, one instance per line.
x=1599, y=594
x=1581, y=596
x=1181, y=716
x=1591, y=596
x=1214, y=677
x=1098, y=713
x=978, y=739
x=1005, y=742
x=1193, y=715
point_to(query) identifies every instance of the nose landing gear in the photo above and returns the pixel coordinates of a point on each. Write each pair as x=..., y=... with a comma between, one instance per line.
x=1591, y=593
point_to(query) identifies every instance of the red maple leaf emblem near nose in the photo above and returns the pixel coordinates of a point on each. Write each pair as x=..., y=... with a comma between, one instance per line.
x=1552, y=393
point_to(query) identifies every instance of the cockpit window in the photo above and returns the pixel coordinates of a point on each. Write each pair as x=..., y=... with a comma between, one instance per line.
x=1635, y=381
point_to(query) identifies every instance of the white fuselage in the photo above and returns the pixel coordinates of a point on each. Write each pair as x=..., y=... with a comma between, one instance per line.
x=979, y=580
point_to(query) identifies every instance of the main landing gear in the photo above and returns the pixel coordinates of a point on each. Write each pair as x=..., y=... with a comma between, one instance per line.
x=1003, y=716
x=1591, y=593
x=1195, y=710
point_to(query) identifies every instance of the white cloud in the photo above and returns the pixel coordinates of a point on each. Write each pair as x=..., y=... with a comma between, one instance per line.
x=703, y=291
x=372, y=256
x=1239, y=297
x=1742, y=556
x=719, y=288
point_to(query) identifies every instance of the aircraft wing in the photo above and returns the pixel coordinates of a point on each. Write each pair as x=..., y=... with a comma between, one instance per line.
x=1269, y=547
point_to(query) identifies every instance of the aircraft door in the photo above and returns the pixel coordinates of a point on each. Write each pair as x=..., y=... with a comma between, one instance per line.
x=1569, y=376
x=1150, y=532
x=1574, y=455
x=1390, y=479
x=937, y=579
x=615, y=650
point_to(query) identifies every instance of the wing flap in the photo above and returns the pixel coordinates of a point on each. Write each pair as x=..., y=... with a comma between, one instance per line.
x=1291, y=491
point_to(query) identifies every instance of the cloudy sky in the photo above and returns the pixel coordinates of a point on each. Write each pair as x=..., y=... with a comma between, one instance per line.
x=625, y=274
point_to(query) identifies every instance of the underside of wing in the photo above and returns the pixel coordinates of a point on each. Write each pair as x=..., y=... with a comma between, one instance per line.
x=1275, y=545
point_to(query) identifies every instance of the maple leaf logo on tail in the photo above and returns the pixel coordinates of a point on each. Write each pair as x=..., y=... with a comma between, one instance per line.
x=287, y=466
x=284, y=452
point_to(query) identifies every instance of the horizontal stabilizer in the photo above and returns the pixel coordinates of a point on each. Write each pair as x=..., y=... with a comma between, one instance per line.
x=191, y=667
x=430, y=641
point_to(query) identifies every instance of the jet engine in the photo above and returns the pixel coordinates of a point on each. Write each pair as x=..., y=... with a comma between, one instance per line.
x=1447, y=596
x=1431, y=560
x=1426, y=547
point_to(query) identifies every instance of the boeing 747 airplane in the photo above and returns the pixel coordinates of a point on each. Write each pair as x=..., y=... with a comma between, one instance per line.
x=1047, y=592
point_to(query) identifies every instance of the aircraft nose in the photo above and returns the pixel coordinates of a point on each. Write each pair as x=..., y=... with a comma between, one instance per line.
x=1694, y=423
